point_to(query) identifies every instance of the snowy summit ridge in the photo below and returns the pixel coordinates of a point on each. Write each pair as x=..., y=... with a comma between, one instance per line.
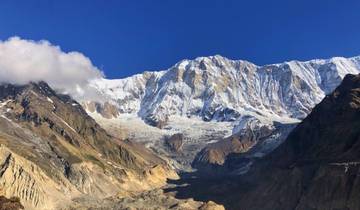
x=220, y=89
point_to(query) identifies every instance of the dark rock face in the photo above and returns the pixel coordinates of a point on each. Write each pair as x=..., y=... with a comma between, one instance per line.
x=10, y=204
x=175, y=142
x=317, y=166
x=217, y=152
x=220, y=114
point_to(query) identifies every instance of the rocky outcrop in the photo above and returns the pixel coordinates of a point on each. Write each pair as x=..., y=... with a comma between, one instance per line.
x=12, y=203
x=217, y=152
x=175, y=142
x=210, y=205
x=159, y=122
x=106, y=109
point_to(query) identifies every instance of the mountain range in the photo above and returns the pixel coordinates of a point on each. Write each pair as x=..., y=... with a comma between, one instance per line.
x=233, y=106
x=279, y=136
x=217, y=88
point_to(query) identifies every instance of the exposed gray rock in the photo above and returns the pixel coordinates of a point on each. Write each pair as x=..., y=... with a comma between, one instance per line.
x=175, y=142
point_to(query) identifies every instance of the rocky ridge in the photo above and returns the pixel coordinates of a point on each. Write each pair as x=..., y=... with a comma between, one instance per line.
x=52, y=152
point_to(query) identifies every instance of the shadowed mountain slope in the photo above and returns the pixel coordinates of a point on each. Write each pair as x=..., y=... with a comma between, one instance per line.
x=317, y=167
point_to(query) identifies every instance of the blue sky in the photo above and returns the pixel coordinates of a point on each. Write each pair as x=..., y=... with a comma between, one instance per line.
x=127, y=37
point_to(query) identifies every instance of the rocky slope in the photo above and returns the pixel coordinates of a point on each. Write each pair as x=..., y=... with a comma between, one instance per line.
x=234, y=95
x=150, y=200
x=52, y=153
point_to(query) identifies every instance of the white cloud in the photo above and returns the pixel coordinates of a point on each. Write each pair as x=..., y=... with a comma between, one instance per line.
x=22, y=61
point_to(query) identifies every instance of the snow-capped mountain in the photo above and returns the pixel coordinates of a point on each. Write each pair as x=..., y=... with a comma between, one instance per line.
x=236, y=96
x=217, y=88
